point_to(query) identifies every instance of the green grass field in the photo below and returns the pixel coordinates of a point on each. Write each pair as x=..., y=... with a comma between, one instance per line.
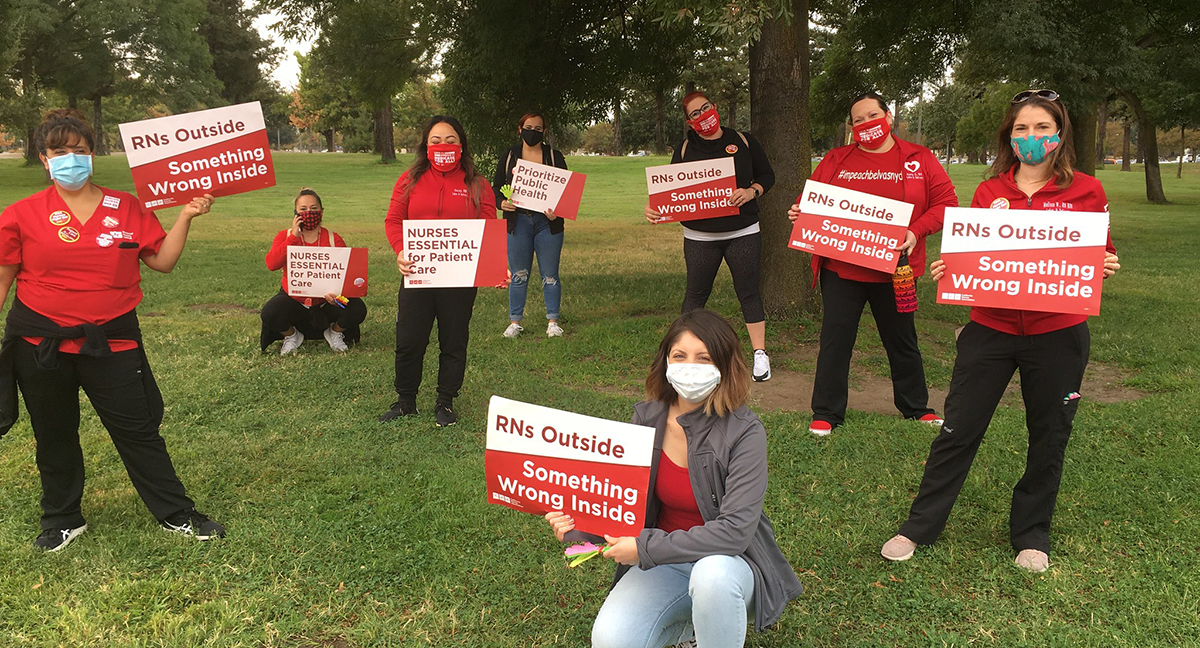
x=346, y=532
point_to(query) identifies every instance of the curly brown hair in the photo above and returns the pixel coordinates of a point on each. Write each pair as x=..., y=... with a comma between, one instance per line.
x=59, y=127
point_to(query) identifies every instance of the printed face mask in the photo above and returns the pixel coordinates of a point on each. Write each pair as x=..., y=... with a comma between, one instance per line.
x=693, y=382
x=71, y=171
x=708, y=123
x=872, y=134
x=1034, y=150
x=309, y=220
x=444, y=157
x=531, y=137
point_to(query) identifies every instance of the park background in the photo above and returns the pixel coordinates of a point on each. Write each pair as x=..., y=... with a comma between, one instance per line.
x=345, y=532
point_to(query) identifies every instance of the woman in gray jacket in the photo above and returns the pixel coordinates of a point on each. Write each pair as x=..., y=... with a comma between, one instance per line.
x=707, y=559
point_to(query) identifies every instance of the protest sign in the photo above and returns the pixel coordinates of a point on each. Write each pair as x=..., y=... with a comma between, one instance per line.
x=223, y=151
x=692, y=190
x=1051, y=261
x=538, y=187
x=318, y=271
x=540, y=459
x=850, y=226
x=456, y=253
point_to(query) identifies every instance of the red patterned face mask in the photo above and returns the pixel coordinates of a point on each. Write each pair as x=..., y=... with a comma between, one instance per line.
x=309, y=220
x=872, y=134
x=707, y=123
x=444, y=157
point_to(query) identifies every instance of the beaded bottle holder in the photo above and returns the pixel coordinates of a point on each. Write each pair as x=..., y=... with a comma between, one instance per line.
x=904, y=284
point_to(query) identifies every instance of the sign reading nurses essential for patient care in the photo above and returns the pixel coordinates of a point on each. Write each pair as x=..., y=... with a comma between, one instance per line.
x=538, y=187
x=456, y=253
x=1050, y=261
x=692, y=190
x=850, y=226
x=540, y=459
x=319, y=271
x=223, y=151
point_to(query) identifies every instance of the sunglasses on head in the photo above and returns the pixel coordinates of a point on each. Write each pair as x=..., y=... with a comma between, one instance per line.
x=1048, y=95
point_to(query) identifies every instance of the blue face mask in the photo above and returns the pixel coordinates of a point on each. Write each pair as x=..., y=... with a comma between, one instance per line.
x=71, y=171
x=1034, y=150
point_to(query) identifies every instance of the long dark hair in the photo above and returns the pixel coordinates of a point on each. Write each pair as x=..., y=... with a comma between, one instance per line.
x=421, y=164
x=725, y=351
x=1061, y=160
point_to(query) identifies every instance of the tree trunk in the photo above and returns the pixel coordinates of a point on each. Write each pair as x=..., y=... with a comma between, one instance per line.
x=98, y=127
x=1148, y=141
x=620, y=148
x=385, y=144
x=1182, y=148
x=660, y=140
x=1083, y=121
x=1125, y=136
x=31, y=152
x=1101, y=134
x=779, y=88
x=329, y=140
x=731, y=113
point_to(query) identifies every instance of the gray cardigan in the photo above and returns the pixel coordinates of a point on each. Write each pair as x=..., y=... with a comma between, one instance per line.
x=727, y=465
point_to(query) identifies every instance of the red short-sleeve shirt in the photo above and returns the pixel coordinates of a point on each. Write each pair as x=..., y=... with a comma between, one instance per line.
x=75, y=273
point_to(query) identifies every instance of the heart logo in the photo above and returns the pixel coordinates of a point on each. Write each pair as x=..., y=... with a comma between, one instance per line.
x=912, y=165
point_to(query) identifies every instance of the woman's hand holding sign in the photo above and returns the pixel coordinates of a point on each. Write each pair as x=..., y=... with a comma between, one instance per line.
x=622, y=550
x=910, y=242
x=652, y=214
x=937, y=269
x=402, y=262
x=561, y=523
x=1110, y=265
x=794, y=212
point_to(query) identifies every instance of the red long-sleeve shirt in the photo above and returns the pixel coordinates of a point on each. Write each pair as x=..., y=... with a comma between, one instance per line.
x=277, y=255
x=436, y=195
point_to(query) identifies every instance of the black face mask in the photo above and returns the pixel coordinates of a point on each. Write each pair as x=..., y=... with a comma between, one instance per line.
x=531, y=137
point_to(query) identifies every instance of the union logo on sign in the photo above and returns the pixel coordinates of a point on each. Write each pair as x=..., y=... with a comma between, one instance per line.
x=68, y=234
x=60, y=218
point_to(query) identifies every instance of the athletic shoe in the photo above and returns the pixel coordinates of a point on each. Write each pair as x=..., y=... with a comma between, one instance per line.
x=336, y=339
x=399, y=408
x=1033, y=560
x=444, y=416
x=291, y=343
x=690, y=643
x=194, y=524
x=553, y=330
x=898, y=549
x=932, y=419
x=820, y=428
x=762, y=366
x=513, y=330
x=52, y=540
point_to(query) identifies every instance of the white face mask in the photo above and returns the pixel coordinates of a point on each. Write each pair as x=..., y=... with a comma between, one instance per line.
x=693, y=382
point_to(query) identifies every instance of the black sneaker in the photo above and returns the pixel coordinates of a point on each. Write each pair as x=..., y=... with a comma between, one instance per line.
x=399, y=408
x=55, y=539
x=444, y=416
x=194, y=524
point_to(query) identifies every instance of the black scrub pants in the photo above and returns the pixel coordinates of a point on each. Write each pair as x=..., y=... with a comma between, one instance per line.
x=123, y=393
x=1051, y=366
x=281, y=313
x=843, y=301
x=416, y=310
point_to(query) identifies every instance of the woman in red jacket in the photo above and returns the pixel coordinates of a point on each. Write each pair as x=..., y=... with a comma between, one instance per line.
x=1033, y=170
x=877, y=163
x=292, y=319
x=442, y=183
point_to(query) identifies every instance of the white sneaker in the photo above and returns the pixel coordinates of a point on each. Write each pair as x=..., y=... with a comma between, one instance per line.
x=336, y=339
x=553, y=330
x=513, y=330
x=291, y=342
x=762, y=366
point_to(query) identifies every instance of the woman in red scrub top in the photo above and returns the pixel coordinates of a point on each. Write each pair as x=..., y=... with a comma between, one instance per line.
x=75, y=251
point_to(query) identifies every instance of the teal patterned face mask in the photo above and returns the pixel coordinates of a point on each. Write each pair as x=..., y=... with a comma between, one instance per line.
x=1034, y=150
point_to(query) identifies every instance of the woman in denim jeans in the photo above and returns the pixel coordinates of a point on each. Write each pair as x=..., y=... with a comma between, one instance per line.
x=707, y=559
x=531, y=232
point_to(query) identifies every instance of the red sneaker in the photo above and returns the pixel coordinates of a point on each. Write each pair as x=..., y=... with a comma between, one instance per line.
x=820, y=428
x=932, y=419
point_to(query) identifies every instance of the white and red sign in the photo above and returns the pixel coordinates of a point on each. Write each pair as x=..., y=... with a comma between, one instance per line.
x=319, y=271
x=1051, y=261
x=457, y=253
x=223, y=151
x=850, y=226
x=538, y=187
x=692, y=190
x=540, y=459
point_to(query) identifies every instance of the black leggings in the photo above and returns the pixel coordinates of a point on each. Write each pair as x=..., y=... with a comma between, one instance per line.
x=742, y=254
x=281, y=313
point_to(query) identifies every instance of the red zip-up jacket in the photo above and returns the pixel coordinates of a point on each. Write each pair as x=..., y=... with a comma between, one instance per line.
x=1083, y=194
x=436, y=195
x=927, y=187
x=277, y=255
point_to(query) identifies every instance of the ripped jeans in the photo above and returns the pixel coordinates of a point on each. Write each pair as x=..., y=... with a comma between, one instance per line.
x=531, y=234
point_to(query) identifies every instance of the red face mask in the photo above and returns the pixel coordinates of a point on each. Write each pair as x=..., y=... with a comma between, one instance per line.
x=708, y=123
x=309, y=220
x=872, y=134
x=444, y=157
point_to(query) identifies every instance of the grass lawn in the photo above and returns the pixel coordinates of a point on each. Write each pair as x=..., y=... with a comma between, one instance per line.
x=346, y=532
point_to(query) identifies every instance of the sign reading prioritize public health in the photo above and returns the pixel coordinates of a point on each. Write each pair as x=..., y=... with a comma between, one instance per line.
x=1051, y=261
x=540, y=459
x=456, y=253
x=850, y=226
x=692, y=190
x=538, y=187
x=223, y=151
x=319, y=271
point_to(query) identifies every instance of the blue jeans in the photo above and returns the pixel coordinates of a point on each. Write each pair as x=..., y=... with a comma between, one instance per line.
x=531, y=234
x=661, y=606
